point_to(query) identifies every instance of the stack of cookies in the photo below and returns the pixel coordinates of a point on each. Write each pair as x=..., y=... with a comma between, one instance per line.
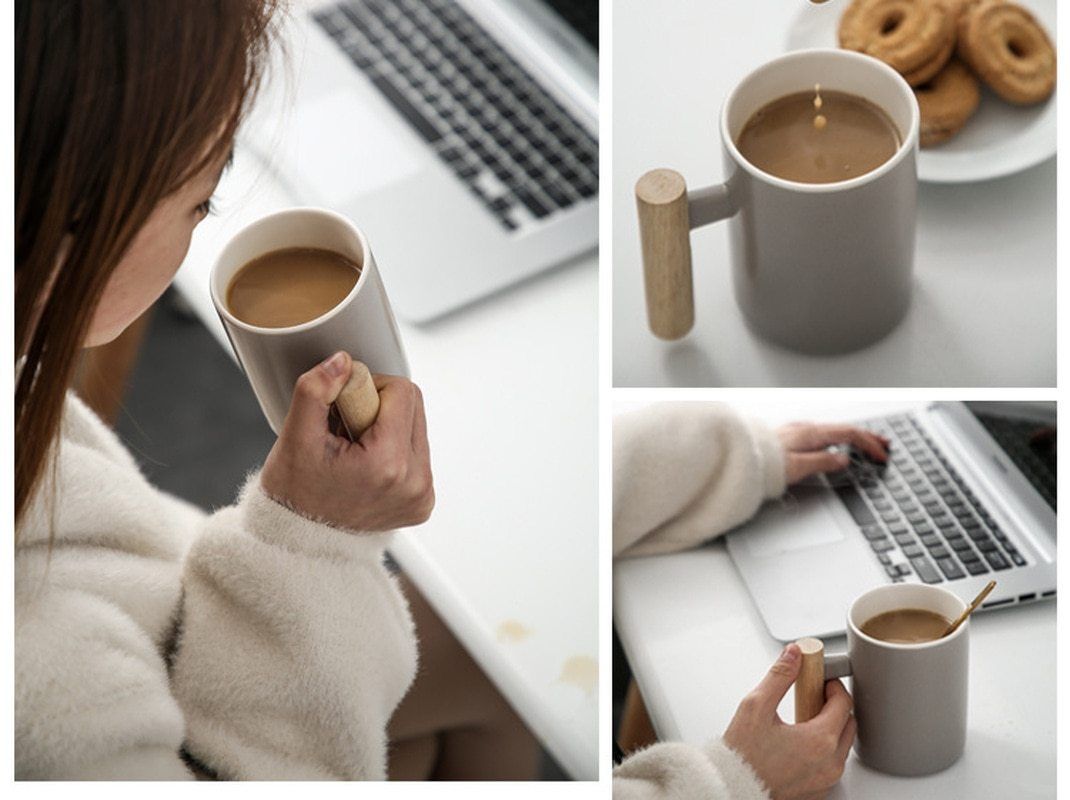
x=943, y=48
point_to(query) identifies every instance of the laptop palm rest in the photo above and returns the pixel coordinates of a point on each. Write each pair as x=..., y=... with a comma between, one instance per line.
x=803, y=562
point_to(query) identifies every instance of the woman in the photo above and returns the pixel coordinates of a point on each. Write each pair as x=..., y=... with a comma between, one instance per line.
x=152, y=641
x=685, y=473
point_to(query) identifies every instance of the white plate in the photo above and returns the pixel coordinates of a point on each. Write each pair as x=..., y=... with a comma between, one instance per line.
x=1000, y=139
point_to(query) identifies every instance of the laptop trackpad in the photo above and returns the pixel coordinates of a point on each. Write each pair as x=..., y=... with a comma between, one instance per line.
x=800, y=520
x=339, y=146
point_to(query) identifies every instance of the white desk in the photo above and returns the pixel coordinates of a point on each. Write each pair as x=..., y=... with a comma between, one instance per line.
x=678, y=615
x=983, y=312
x=510, y=389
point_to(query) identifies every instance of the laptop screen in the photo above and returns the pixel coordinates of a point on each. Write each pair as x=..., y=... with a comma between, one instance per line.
x=582, y=16
x=1027, y=438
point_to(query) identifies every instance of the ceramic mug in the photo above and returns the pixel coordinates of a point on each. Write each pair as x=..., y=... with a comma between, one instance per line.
x=362, y=324
x=909, y=699
x=820, y=268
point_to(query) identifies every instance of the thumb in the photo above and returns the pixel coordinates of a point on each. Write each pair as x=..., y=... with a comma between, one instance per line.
x=315, y=391
x=779, y=678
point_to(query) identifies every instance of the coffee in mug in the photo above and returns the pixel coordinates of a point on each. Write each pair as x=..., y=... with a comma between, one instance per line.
x=818, y=137
x=910, y=698
x=906, y=626
x=351, y=311
x=290, y=286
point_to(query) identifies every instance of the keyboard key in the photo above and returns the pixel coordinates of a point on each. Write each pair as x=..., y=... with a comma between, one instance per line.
x=882, y=545
x=951, y=570
x=959, y=545
x=939, y=552
x=872, y=532
x=913, y=551
x=925, y=569
x=1018, y=559
x=892, y=570
x=975, y=567
x=884, y=558
x=987, y=546
x=539, y=210
x=996, y=560
x=402, y=105
x=968, y=555
x=904, y=539
x=931, y=540
x=855, y=505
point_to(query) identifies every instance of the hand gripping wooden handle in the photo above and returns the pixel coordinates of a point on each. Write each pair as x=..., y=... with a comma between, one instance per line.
x=810, y=685
x=665, y=238
x=358, y=404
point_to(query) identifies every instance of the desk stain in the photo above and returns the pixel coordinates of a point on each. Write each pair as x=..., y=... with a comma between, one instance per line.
x=580, y=671
x=513, y=631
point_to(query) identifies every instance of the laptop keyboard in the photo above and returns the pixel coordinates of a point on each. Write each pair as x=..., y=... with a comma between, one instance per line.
x=918, y=515
x=516, y=148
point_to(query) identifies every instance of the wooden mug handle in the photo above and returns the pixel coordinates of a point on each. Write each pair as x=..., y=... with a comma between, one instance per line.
x=665, y=238
x=358, y=403
x=810, y=685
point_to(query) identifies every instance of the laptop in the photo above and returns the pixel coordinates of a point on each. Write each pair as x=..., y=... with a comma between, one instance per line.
x=968, y=496
x=460, y=135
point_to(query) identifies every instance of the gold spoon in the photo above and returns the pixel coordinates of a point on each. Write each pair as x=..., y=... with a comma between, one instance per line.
x=969, y=609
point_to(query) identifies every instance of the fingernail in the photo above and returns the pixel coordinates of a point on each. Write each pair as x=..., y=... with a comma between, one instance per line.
x=334, y=365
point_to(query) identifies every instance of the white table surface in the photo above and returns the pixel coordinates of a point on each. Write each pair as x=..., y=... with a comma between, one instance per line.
x=983, y=312
x=510, y=390
x=697, y=644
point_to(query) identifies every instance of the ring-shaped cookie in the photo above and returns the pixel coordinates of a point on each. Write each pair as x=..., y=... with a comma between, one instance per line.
x=905, y=34
x=946, y=103
x=1009, y=50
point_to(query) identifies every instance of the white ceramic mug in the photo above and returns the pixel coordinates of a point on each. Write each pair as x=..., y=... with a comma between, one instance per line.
x=817, y=267
x=909, y=699
x=362, y=324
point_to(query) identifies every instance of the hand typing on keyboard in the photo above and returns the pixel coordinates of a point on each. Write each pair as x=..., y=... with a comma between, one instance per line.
x=806, y=448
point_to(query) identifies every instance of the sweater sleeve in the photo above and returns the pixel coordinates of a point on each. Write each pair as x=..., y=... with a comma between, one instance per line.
x=676, y=770
x=295, y=646
x=686, y=472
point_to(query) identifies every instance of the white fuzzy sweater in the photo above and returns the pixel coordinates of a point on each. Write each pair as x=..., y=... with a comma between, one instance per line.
x=684, y=473
x=151, y=638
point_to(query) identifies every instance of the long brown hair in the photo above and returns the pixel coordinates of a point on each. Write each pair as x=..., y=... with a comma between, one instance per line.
x=117, y=104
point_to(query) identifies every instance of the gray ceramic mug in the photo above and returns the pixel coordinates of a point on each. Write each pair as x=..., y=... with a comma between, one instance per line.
x=820, y=268
x=362, y=324
x=909, y=699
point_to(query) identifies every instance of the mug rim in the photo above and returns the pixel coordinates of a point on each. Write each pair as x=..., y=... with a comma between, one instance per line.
x=894, y=587
x=221, y=306
x=909, y=143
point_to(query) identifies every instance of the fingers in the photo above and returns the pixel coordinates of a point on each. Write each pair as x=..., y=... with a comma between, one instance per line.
x=837, y=709
x=815, y=437
x=847, y=738
x=393, y=428
x=314, y=392
x=803, y=465
x=778, y=679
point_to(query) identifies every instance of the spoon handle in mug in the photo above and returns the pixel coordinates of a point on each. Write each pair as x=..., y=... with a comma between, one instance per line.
x=358, y=403
x=665, y=238
x=810, y=685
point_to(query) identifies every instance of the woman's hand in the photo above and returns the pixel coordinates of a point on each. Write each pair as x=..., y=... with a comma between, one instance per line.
x=806, y=447
x=380, y=482
x=794, y=761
